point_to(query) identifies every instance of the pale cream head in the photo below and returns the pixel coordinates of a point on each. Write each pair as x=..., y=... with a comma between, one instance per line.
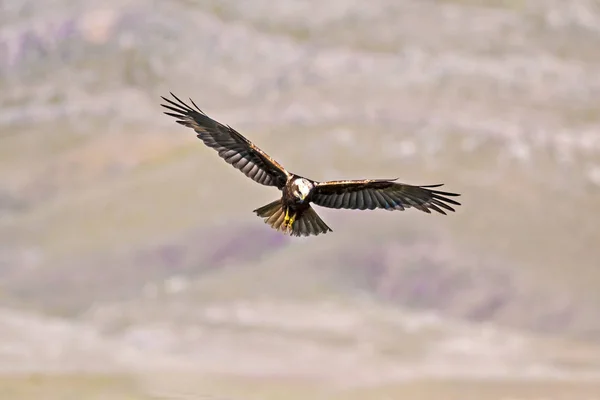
x=302, y=189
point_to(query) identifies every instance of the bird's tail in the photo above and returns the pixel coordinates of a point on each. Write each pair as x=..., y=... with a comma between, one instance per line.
x=306, y=223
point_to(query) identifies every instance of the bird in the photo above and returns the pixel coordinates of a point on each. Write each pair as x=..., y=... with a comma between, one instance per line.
x=292, y=214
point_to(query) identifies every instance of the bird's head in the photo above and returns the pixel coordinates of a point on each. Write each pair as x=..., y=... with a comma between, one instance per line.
x=302, y=189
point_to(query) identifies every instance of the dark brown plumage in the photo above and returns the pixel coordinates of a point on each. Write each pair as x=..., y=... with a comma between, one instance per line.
x=292, y=213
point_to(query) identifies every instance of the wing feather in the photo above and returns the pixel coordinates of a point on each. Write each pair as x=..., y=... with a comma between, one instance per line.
x=231, y=146
x=360, y=200
x=382, y=193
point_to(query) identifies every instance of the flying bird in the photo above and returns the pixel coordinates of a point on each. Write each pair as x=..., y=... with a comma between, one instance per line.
x=292, y=213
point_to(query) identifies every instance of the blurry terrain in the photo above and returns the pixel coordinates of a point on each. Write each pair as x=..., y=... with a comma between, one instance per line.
x=132, y=267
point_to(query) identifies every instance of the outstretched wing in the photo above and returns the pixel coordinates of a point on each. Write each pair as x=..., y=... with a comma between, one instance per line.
x=231, y=145
x=382, y=193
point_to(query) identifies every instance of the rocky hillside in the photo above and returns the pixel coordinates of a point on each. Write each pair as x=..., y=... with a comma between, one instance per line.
x=125, y=233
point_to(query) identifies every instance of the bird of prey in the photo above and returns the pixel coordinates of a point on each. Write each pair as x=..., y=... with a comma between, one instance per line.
x=292, y=213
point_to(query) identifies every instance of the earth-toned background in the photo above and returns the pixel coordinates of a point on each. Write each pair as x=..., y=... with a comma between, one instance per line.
x=132, y=266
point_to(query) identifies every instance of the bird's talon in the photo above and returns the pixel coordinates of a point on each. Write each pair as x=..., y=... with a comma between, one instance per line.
x=288, y=220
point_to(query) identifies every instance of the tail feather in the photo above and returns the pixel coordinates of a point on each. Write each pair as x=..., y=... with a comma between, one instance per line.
x=307, y=223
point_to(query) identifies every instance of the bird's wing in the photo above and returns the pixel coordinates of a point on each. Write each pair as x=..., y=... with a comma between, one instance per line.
x=381, y=193
x=231, y=145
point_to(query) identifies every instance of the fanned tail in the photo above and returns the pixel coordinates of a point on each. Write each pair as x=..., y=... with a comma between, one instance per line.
x=307, y=222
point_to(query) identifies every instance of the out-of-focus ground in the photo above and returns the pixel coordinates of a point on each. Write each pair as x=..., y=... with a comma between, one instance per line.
x=132, y=267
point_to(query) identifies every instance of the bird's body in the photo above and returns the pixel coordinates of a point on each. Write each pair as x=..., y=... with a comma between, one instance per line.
x=292, y=213
x=294, y=196
x=296, y=201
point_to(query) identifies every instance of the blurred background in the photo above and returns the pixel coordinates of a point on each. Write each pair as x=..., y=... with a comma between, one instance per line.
x=132, y=266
